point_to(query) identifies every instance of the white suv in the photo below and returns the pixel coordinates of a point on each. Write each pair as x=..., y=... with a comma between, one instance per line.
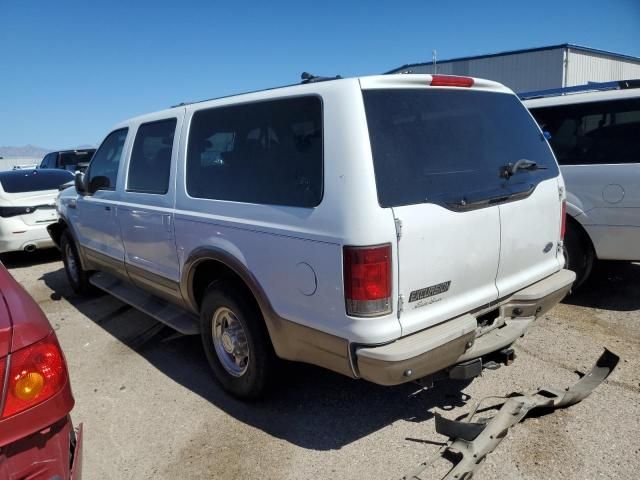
x=595, y=134
x=383, y=227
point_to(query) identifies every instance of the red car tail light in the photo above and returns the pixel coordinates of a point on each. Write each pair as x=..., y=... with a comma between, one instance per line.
x=451, y=81
x=563, y=221
x=367, y=280
x=3, y=364
x=36, y=373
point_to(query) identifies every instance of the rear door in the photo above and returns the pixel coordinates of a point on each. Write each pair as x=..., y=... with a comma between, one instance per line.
x=146, y=213
x=438, y=155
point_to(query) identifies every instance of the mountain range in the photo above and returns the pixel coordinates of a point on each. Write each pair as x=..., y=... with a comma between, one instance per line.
x=30, y=151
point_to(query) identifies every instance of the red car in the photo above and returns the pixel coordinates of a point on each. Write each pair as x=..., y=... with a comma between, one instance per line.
x=37, y=438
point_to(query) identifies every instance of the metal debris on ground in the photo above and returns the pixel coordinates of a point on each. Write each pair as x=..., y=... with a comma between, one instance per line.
x=472, y=442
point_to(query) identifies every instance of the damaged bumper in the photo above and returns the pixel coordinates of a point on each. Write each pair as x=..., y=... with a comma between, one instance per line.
x=461, y=339
x=474, y=441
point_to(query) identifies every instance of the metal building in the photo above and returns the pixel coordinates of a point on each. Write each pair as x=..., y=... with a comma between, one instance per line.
x=556, y=66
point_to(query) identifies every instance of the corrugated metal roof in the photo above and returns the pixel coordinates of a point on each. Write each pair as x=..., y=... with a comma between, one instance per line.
x=526, y=50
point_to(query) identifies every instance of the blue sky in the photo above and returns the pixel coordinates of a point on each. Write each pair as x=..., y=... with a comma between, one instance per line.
x=70, y=70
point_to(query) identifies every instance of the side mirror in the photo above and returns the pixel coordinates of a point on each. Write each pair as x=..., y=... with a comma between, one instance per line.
x=79, y=183
x=98, y=183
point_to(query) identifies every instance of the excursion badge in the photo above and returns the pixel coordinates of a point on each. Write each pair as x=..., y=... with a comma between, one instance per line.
x=429, y=291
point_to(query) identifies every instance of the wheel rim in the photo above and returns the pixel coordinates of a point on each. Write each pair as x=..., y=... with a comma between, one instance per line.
x=230, y=341
x=72, y=265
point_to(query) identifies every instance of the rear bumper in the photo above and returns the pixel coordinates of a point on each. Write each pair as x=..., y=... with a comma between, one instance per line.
x=16, y=236
x=460, y=339
x=54, y=452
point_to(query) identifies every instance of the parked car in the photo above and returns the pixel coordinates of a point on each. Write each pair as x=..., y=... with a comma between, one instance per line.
x=27, y=206
x=595, y=134
x=72, y=160
x=383, y=227
x=37, y=437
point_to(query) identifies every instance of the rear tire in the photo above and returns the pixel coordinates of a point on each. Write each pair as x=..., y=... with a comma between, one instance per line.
x=235, y=340
x=578, y=255
x=78, y=278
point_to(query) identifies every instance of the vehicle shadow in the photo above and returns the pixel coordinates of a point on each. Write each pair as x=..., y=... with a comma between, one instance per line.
x=611, y=286
x=27, y=259
x=308, y=406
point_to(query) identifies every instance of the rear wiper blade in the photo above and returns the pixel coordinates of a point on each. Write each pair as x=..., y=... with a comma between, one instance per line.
x=509, y=170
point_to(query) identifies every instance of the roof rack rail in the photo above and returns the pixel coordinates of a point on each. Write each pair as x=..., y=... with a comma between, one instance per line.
x=589, y=87
x=306, y=77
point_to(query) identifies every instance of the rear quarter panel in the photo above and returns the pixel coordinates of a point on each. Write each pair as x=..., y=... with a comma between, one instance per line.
x=296, y=253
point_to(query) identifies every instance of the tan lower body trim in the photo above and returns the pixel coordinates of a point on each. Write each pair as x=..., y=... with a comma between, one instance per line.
x=296, y=342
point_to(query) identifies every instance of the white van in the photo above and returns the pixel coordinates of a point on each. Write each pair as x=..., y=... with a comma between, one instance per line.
x=595, y=134
x=383, y=227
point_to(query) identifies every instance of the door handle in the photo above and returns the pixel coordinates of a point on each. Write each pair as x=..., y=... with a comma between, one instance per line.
x=108, y=209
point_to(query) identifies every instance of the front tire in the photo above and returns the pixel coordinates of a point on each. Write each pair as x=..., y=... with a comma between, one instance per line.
x=78, y=278
x=235, y=340
x=578, y=255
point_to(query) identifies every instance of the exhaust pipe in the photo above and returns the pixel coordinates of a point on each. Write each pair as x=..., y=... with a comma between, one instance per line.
x=30, y=248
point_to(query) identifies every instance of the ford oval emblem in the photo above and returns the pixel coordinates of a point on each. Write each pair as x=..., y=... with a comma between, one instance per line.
x=548, y=247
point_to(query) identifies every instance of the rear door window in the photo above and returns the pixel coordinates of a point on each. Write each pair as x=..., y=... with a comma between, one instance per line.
x=448, y=146
x=150, y=164
x=266, y=152
x=593, y=133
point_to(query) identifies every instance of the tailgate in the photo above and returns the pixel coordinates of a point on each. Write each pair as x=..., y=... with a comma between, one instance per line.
x=530, y=235
x=447, y=262
x=466, y=229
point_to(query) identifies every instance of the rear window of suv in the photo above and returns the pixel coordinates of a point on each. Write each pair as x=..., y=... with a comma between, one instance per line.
x=447, y=146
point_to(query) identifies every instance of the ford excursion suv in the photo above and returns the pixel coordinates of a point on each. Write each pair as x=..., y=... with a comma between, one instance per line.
x=384, y=227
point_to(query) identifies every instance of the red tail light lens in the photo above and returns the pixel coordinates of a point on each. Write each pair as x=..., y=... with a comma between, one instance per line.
x=36, y=373
x=451, y=81
x=563, y=224
x=367, y=280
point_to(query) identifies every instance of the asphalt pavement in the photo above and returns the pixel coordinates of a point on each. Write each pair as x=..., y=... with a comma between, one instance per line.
x=152, y=410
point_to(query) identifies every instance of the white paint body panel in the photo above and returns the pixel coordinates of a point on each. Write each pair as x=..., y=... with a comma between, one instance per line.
x=31, y=229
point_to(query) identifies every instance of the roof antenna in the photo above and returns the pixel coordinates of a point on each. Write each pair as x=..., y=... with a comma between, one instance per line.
x=434, y=56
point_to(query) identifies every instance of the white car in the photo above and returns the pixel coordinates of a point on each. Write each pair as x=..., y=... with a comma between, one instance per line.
x=27, y=207
x=595, y=134
x=385, y=227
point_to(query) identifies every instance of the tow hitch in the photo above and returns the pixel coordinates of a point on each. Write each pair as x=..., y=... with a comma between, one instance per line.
x=473, y=368
x=472, y=442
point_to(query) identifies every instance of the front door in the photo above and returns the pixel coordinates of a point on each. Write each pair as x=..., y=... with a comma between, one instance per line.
x=97, y=224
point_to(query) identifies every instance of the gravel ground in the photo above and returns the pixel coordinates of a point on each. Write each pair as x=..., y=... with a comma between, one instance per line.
x=151, y=409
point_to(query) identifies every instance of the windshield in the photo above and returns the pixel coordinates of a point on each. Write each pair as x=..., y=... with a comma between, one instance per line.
x=441, y=146
x=33, y=180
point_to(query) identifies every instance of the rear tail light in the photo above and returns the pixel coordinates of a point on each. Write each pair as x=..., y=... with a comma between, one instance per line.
x=367, y=280
x=451, y=81
x=36, y=373
x=563, y=221
x=3, y=365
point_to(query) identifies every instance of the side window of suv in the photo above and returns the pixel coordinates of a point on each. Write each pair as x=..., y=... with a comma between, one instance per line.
x=267, y=152
x=103, y=170
x=593, y=133
x=150, y=164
